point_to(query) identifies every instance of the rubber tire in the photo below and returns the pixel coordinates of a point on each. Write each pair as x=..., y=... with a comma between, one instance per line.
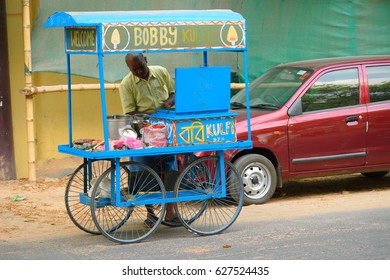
x=378, y=174
x=213, y=215
x=79, y=213
x=127, y=227
x=265, y=166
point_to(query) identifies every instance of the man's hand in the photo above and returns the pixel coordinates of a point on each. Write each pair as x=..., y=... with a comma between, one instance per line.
x=169, y=102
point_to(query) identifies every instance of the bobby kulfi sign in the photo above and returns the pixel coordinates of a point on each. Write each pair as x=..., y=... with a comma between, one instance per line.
x=121, y=37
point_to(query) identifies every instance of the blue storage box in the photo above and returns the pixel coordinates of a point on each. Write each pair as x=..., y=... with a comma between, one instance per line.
x=202, y=89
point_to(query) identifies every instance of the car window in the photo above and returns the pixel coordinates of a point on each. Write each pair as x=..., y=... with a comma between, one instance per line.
x=378, y=83
x=273, y=89
x=333, y=90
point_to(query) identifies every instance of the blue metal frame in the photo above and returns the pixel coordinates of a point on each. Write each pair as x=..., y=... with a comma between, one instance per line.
x=98, y=19
x=70, y=121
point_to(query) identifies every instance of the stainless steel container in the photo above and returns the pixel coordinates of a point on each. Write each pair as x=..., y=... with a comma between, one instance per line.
x=139, y=121
x=116, y=122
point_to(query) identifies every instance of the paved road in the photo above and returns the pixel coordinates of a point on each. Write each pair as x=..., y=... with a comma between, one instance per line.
x=341, y=235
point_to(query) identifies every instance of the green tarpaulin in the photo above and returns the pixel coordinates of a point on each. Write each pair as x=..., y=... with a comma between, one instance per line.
x=279, y=31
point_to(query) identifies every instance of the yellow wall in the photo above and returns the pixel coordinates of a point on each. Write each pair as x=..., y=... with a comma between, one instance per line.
x=50, y=109
x=51, y=116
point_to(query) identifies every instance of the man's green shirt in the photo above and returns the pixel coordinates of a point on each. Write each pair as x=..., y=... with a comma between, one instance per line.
x=146, y=95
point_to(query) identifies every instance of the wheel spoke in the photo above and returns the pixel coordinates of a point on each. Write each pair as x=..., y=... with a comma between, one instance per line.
x=215, y=214
x=79, y=213
x=124, y=224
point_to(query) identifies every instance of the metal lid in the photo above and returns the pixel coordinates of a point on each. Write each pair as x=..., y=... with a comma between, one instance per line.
x=128, y=131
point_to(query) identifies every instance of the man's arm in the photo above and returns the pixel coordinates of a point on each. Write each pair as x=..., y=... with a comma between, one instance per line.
x=127, y=99
x=169, y=102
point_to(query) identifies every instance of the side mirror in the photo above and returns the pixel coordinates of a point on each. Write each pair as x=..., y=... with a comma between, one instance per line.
x=296, y=108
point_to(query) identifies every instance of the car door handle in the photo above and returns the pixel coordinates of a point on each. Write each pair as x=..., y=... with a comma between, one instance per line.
x=351, y=119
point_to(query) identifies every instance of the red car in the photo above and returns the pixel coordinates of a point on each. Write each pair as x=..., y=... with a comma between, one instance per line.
x=314, y=118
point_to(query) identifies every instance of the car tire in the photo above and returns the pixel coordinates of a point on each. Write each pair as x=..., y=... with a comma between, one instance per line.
x=378, y=174
x=259, y=178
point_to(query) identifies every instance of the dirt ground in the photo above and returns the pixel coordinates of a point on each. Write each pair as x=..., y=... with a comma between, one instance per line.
x=34, y=211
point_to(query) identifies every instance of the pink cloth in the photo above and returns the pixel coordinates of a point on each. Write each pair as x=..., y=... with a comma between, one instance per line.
x=118, y=144
x=128, y=142
x=100, y=148
x=132, y=143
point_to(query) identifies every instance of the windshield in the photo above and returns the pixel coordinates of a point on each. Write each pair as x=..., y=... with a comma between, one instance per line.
x=272, y=89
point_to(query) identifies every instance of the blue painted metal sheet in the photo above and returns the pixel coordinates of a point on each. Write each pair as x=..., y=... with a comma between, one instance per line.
x=68, y=19
x=154, y=198
x=200, y=130
x=170, y=114
x=202, y=89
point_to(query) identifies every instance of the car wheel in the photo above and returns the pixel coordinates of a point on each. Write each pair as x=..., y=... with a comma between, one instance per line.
x=378, y=174
x=259, y=178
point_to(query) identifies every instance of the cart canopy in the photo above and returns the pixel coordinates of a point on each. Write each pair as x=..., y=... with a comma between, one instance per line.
x=64, y=19
x=168, y=30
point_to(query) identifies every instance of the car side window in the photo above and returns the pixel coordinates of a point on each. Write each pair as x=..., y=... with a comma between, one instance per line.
x=334, y=89
x=378, y=83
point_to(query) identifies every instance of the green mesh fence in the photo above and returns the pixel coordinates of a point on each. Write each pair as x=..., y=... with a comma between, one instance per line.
x=279, y=31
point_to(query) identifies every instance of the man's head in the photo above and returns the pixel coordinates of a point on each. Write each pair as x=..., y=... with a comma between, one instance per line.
x=138, y=65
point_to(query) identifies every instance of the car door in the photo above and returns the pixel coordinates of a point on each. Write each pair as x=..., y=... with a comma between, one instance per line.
x=331, y=131
x=378, y=128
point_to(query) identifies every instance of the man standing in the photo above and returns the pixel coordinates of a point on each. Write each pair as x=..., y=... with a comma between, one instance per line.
x=144, y=90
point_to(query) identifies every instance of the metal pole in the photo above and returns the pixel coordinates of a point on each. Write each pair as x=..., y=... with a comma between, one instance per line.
x=102, y=89
x=70, y=117
x=246, y=76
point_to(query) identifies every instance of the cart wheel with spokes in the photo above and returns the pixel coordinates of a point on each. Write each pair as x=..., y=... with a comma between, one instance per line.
x=80, y=183
x=215, y=212
x=138, y=185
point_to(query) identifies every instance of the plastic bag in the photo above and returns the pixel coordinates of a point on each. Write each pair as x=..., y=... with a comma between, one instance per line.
x=155, y=135
x=104, y=190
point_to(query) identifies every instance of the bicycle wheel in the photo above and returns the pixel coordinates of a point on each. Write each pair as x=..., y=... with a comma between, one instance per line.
x=126, y=224
x=80, y=183
x=215, y=213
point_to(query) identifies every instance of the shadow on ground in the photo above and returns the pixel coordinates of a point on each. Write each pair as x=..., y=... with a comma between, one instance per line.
x=331, y=184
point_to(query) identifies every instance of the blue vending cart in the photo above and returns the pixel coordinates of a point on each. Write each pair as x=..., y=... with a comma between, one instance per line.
x=111, y=195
